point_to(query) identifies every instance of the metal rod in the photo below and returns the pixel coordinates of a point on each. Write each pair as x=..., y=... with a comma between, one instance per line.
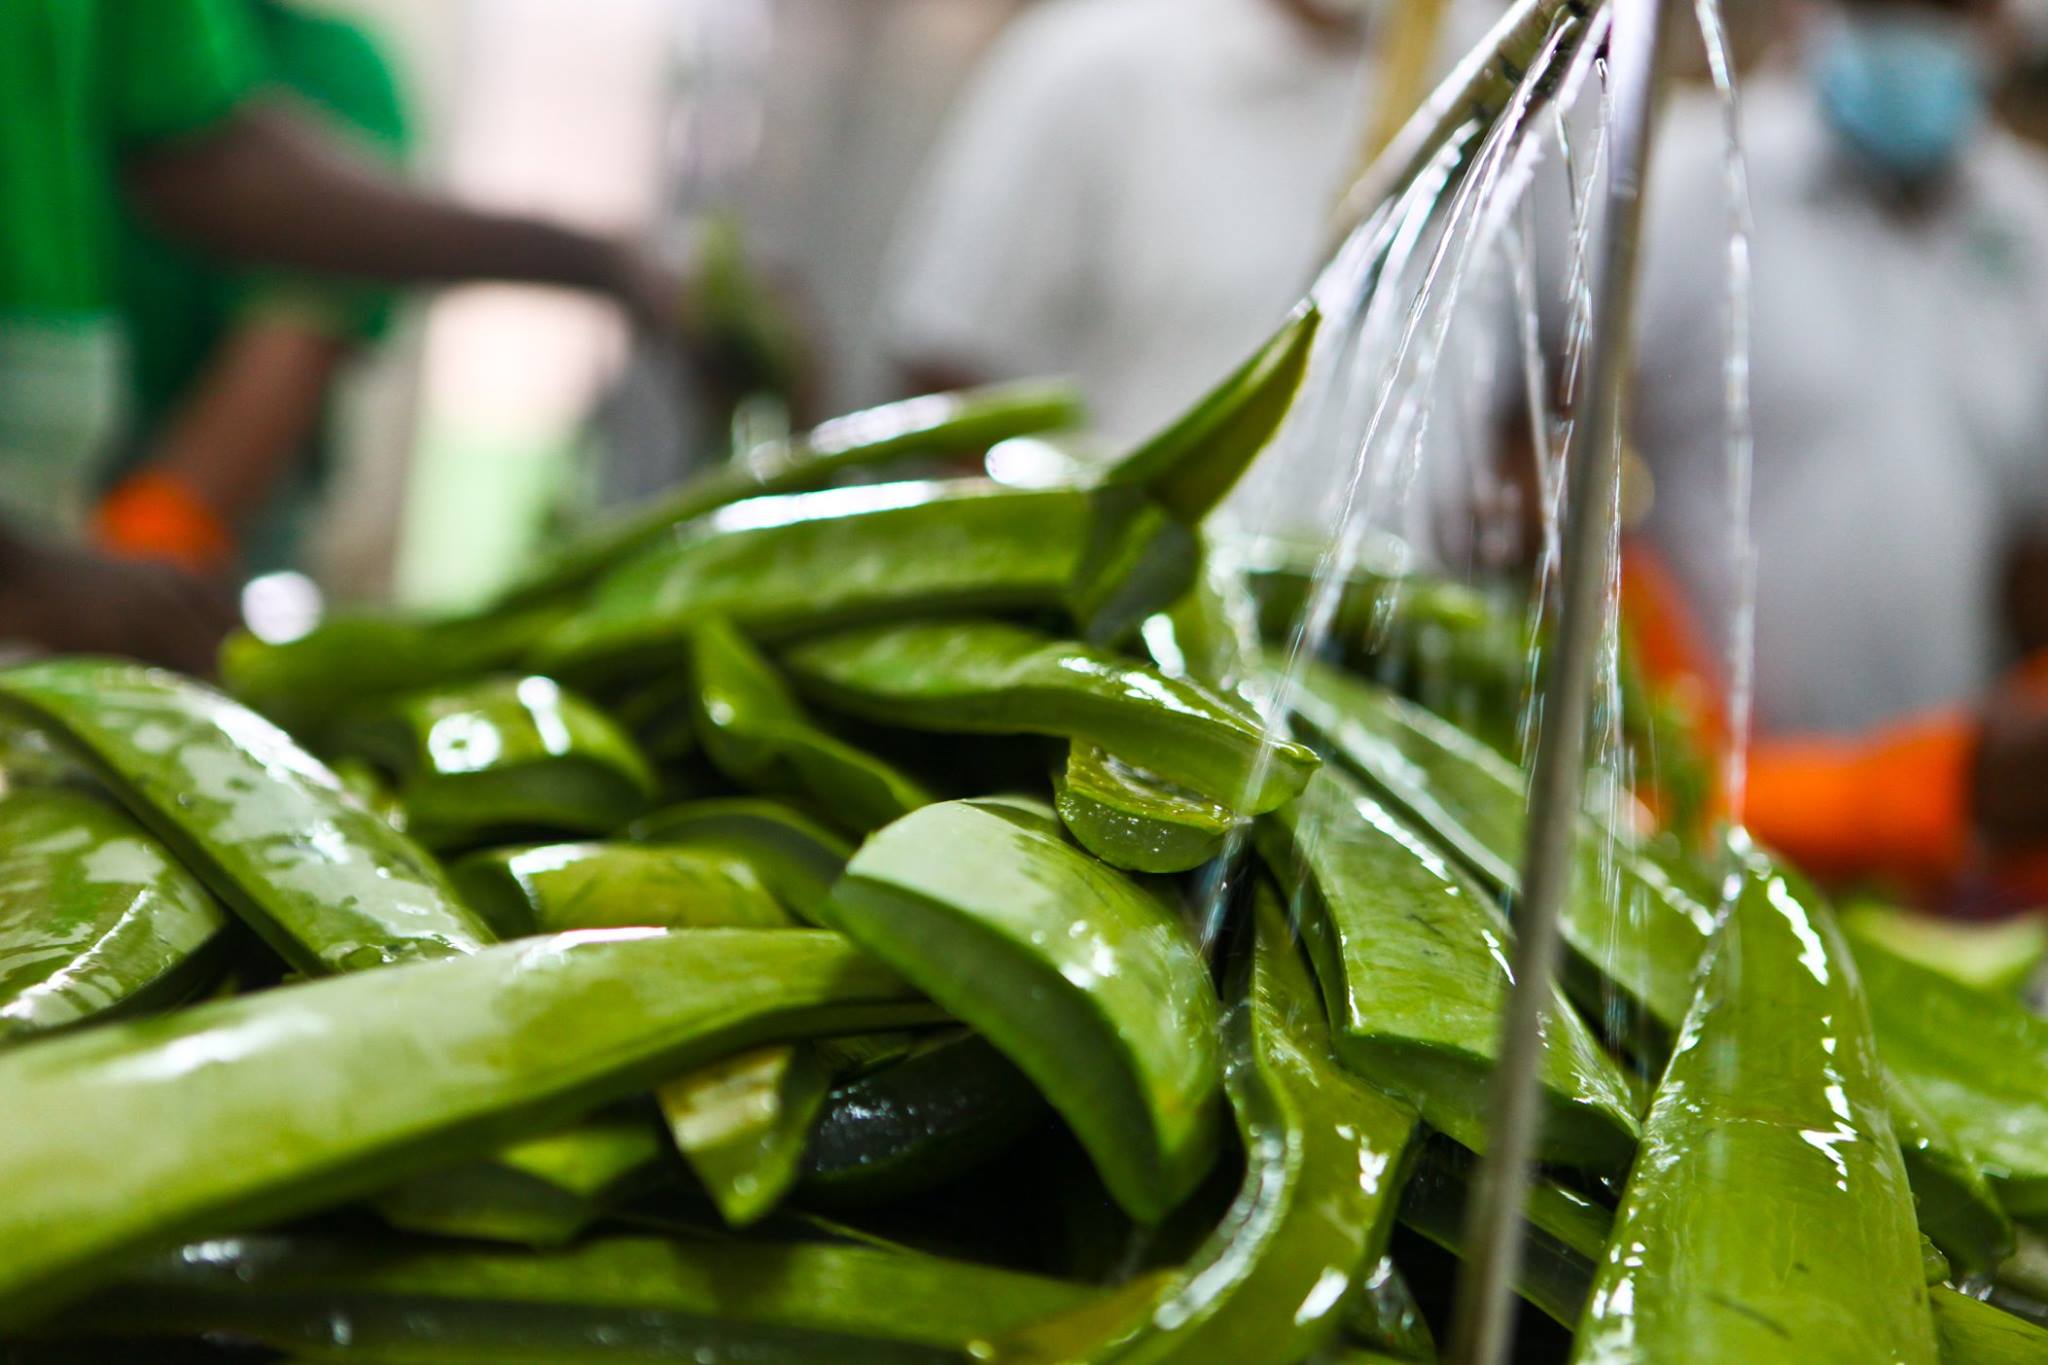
x=1493, y=1234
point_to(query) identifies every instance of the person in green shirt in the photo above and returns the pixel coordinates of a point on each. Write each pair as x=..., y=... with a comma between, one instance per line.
x=161, y=107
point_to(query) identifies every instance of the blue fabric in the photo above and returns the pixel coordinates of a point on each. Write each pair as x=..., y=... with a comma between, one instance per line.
x=1904, y=90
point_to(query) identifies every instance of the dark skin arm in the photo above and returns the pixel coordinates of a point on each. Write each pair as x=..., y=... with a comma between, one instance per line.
x=75, y=602
x=2011, y=777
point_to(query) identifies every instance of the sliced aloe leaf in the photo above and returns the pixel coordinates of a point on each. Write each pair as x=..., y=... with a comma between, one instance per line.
x=757, y=734
x=939, y=1111
x=1325, y=1160
x=1414, y=965
x=96, y=917
x=507, y=754
x=988, y=677
x=1958, y=1208
x=1189, y=467
x=1556, y=1273
x=742, y=1124
x=548, y=888
x=781, y=566
x=413, y=1303
x=1768, y=1216
x=137, y=1133
x=936, y=424
x=795, y=857
x=1975, y=1333
x=1133, y=820
x=263, y=823
x=543, y=1191
x=1076, y=973
x=2001, y=956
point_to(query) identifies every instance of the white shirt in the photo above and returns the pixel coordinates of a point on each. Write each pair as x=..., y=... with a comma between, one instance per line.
x=1134, y=193
x=1900, y=391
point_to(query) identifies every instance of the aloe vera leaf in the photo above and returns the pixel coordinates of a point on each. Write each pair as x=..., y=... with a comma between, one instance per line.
x=506, y=753
x=2001, y=956
x=1977, y=1062
x=96, y=917
x=757, y=734
x=1325, y=1163
x=1958, y=1208
x=264, y=824
x=1413, y=961
x=350, y=661
x=988, y=677
x=742, y=1123
x=916, y=1123
x=1190, y=466
x=1134, y=821
x=935, y=424
x=549, y=888
x=1554, y=1278
x=646, y=1298
x=1975, y=1333
x=1079, y=976
x=1768, y=1215
x=542, y=1191
x=1383, y=1316
x=777, y=567
x=795, y=857
x=140, y=1132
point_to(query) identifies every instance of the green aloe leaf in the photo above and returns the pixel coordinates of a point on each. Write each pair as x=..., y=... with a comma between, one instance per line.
x=795, y=857
x=549, y=888
x=2002, y=956
x=1768, y=1215
x=1384, y=1316
x=742, y=1123
x=1414, y=964
x=96, y=917
x=137, y=1133
x=413, y=1303
x=1132, y=820
x=482, y=758
x=1325, y=1162
x=1189, y=467
x=756, y=733
x=936, y=424
x=1975, y=1333
x=988, y=677
x=264, y=824
x=1076, y=973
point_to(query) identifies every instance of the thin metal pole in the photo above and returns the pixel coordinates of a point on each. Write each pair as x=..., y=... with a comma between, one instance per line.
x=1493, y=1233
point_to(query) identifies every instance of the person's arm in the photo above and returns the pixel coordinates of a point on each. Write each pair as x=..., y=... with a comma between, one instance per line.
x=72, y=601
x=266, y=186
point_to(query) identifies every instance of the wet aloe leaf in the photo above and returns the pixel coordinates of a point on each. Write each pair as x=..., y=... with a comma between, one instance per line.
x=1768, y=1216
x=988, y=677
x=264, y=824
x=1974, y=1333
x=1077, y=974
x=541, y=1192
x=549, y=888
x=1413, y=961
x=483, y=758
x=795, y=857
x=742, y=1124
x=1958, y=1208
x=1189, y=467
x=936, y=424
x=651, y=1299
x=2001, y=956
x=136, y=1133
x=1325, y=1162
x=757, y=734
x=1132, y=820
x=775, y=567
x=917, y=1122
x=96, y=917
x=1383, y=1316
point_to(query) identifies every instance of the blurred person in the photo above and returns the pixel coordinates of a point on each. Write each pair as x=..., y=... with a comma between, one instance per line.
x=162, y=105
x=1900, y=402
x=1133, y=192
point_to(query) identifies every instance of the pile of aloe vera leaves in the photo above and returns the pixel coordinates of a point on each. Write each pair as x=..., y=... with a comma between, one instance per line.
x=841, y=914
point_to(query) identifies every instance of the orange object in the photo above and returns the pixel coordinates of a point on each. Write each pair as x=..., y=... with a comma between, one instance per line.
x=153, y=515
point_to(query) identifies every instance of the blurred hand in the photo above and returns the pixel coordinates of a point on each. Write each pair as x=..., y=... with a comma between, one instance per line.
x=73, y=601
x=2010, y=783
x=654, y=293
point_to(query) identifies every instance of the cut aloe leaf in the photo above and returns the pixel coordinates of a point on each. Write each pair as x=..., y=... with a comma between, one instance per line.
x=742, y=1124
x=1413, y=961
x=1556, y=1274
x=549, y=888
x=989, y=677
x=1133, y=820
x=757, y=734
x=2000, y=956
x=138, y=1133
x=263, y=823
x=1974, y=1333
x=1768, y=1216
x=795, y=857
x=1083, y=979
x=96, y=917
x=1383, y=1316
